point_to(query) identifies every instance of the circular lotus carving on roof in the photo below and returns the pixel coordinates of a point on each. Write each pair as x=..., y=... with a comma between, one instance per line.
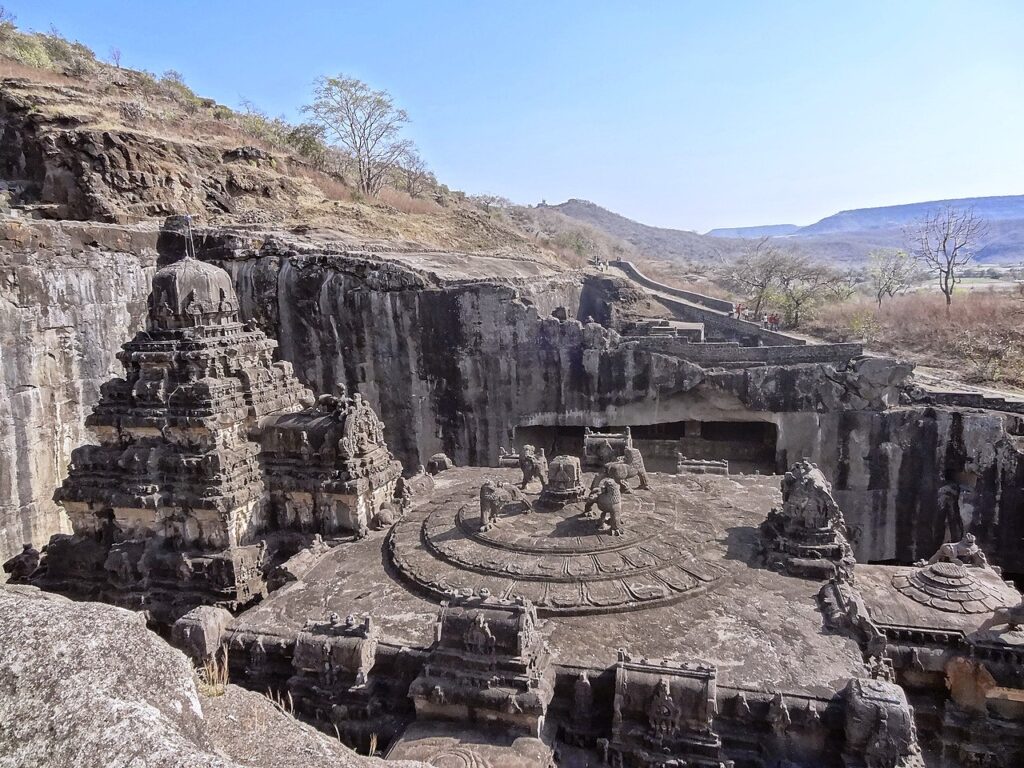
x=951, y=587
x=557, y=559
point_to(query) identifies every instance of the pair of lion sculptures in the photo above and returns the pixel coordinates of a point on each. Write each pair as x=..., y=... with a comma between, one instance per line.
x=606, y=489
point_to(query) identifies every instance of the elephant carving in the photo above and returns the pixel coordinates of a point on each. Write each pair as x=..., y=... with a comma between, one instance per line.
x=496, y=498
x=628, y=466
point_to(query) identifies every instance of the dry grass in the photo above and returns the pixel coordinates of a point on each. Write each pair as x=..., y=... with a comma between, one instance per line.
x=982, y=339
x=333, y=189
x=406, y=203
x=285, y=704
x=10, y=68
x=213, y=675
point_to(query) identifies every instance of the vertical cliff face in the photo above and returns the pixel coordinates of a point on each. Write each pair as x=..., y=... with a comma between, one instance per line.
x=456, y=363
x=450, y=366
x=67, y=302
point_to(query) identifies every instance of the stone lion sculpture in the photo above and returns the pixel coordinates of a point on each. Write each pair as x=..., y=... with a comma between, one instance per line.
x=628, y=466
x=607, y=495
x=495, y=497
x=966, y=552
x=534, y=466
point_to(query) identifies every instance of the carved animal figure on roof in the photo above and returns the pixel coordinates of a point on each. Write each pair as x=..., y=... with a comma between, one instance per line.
x=497, y=497
x=966, y=552
x=807, y=498
x=629, y=465
x=607, y=495
x=534, y=466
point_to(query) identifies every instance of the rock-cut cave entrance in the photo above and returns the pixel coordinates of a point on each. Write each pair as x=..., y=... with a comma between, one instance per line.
x=748, y=446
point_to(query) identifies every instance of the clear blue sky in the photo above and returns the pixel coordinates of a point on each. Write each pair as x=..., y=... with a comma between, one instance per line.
x=682, y=114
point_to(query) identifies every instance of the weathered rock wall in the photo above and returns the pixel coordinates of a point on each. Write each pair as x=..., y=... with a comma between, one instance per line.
x=456, y=365
x=66, y=306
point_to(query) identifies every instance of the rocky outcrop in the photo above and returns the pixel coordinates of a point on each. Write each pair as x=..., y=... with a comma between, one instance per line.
x=70, y=168
x=86, y=684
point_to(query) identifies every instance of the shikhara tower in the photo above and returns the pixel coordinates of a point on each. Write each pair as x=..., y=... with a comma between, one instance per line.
x=172, y=508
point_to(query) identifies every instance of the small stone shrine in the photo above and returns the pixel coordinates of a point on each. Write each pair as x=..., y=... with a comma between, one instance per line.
x=565, y=482
x=328, y=469
x=807, y=537
x=664, y=708
x=488, y=665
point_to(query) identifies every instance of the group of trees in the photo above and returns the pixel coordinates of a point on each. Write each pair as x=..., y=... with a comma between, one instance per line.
x=773, y=277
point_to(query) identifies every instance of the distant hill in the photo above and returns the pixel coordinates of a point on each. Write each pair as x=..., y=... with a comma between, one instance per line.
x=1009, y=207
x=768, y=230
x=844, y=237
x=652, y=242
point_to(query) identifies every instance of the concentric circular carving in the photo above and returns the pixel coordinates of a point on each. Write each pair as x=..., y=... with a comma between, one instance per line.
x=558, y=559
x=953, y=587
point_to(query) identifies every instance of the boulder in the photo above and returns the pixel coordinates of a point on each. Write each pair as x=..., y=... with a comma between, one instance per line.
x=86, y=684
x=200, y=632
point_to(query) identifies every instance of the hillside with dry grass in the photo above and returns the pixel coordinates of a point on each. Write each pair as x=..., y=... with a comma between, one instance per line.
x=981, y=341
x=88, y=140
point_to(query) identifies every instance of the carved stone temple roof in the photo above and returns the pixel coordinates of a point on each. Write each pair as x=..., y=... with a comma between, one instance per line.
x=191, y=293
x=954, y=588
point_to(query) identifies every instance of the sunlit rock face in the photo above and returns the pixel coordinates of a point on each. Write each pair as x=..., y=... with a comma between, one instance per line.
x=457, y=360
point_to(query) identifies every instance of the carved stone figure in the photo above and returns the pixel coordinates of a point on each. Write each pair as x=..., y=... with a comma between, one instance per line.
x=879, y=725
x=966, y=552
x=582, y=702
x=807, y=537
x=439, y=462
x=23, y=565
x=778, y=715
x=599, y=448
x=533, y=465
x=607, y=495
x=629, y=465
x=496, y=498
x=564, y=484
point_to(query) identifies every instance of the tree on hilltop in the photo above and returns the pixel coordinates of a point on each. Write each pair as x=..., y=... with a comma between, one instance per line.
x=943, y=243
x=365, y=123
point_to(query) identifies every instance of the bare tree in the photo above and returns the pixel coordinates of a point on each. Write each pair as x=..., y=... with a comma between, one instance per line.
x=365, y=123
x=943, y=243
x=891, y=271
x=115, y=56
x=413, y=171
x=488, y=201
x=804, y=283
x=6, y=17
x=755, y=273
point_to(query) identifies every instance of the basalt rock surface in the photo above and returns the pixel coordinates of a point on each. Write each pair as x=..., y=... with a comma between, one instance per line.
x=86, y=684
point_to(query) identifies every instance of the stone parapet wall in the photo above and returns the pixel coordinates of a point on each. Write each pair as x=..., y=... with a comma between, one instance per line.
x=732, y=352
x=629, y=268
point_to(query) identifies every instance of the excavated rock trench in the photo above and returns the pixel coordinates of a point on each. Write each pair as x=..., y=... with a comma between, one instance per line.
x=456, y=362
